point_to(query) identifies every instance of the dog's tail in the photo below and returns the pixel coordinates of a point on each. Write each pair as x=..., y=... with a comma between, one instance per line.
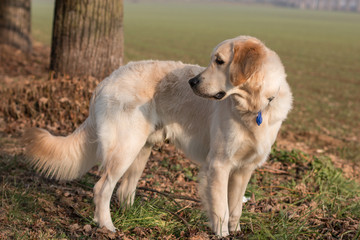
x=62, y=158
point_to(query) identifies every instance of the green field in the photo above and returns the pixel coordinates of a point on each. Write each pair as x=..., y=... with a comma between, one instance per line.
x=320, y=51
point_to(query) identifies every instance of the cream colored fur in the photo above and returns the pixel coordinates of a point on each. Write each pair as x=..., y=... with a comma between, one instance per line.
x=62, y=158
x=146, y=102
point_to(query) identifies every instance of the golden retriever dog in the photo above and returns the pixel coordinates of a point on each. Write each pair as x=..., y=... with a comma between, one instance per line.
x=225, y=117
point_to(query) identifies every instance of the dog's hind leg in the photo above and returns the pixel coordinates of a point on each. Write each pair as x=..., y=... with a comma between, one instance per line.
x=119, y=162
x=120, y=145
x=126, y=191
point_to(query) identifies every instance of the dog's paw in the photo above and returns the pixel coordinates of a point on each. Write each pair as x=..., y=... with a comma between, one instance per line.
x=222, y=231
x=220, y=228
x=96, y=218
x=222, y=234
x=125, y=198
x=234, y=227
x=109, y=226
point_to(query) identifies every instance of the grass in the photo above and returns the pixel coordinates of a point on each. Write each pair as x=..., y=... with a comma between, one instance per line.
x=34, y=207
x=319, y=192
x=312, y=201
x=157, y=214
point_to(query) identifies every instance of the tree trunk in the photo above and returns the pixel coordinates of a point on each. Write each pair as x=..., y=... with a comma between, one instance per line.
x=87, y=37
x=15, y=23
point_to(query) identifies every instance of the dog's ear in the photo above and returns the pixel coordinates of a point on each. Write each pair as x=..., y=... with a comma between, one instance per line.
x=247, y=59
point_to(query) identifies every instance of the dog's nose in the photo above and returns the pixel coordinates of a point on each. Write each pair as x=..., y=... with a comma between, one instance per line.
x=194, y=81
x=220, y=95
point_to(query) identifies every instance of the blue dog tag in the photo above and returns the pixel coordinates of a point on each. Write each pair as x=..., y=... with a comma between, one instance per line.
x=259, y=118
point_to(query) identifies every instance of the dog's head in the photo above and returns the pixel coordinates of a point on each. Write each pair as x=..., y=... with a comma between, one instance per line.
x=233, y=63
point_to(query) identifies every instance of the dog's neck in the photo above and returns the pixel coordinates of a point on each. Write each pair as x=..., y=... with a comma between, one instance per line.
x=259, y=118
x=251, y=107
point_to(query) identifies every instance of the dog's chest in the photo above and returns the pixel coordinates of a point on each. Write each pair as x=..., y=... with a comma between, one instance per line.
x=250, y=152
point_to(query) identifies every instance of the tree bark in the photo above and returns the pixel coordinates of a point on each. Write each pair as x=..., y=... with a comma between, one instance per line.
x=87, y=37
x=15, y=23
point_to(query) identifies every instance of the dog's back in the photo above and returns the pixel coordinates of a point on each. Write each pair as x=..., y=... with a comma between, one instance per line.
x=127, y=88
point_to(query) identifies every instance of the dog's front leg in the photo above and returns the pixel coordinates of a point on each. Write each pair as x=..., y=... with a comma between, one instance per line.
x=237, y=185
x=217, y=196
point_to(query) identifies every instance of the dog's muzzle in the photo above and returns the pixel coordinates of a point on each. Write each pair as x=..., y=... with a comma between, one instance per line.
x=194, y=82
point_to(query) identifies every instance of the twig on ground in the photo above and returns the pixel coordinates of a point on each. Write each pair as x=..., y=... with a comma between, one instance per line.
x=289, y=189
x=83, y=185
x=161, y=193
x=176, y=215
x=272, y=170
x=182, y=209
x=169, y=194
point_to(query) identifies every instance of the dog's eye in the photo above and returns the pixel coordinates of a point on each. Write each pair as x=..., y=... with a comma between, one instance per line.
x=219, y=61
